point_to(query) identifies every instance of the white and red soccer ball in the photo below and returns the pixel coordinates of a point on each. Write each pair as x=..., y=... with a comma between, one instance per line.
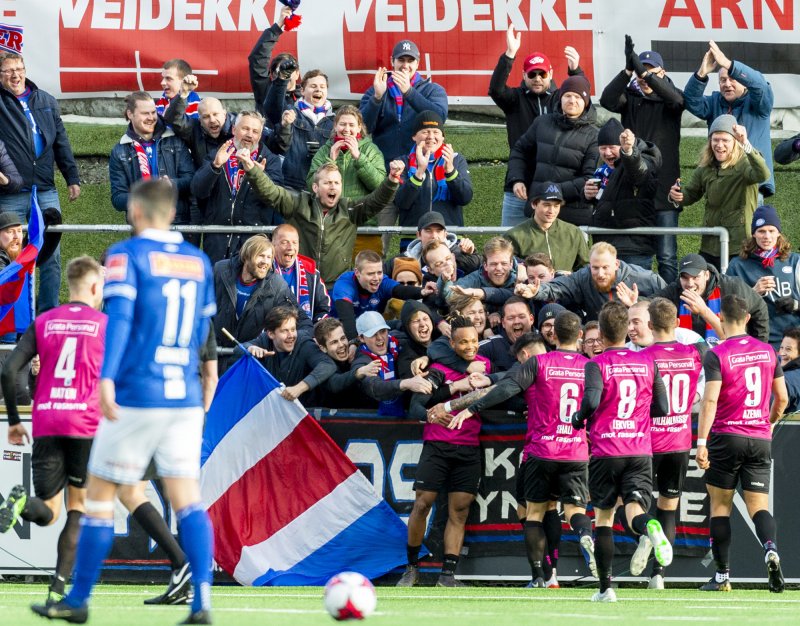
x=349, y=595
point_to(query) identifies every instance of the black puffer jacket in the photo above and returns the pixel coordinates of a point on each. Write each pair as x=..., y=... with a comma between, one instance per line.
x=628, y=200
x=562, y=150
x=270, y=292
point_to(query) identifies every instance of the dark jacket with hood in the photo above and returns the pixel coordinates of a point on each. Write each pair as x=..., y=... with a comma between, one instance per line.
x=10, y=171
x=654, y=117
x=15, y=133
x=294, y=144
x=758, y=326
x=520, y=105
x=269, y=293
x=791, y=375
x=561, y=150
x=411, y=349
x=628, y=199
x=191, y=131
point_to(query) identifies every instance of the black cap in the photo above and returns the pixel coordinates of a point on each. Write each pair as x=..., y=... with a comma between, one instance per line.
x=692, y=264
x=430, y=218
x=9, y=219
x=427, y=119
x=405, y=48
x=545, y=191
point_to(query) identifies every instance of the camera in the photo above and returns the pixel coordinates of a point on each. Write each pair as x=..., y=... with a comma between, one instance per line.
x=286, y=68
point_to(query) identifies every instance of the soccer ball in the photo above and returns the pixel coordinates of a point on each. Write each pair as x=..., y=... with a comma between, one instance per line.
x=349, y=595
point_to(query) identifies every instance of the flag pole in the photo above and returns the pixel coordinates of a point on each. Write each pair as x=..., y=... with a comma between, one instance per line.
x=247, y=352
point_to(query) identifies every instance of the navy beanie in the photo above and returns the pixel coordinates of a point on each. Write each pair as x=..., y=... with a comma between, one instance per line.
x=765, y=215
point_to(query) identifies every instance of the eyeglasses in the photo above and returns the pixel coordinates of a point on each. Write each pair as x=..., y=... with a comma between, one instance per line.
x=409, y=283
x=537, y=74
x=591, y=342
x=11, y=71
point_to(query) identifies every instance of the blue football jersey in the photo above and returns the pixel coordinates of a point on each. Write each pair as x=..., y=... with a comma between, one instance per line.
x=159, y=296
x=347, y=288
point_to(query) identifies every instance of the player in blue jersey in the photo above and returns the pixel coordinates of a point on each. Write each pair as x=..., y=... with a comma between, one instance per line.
x=159, y=296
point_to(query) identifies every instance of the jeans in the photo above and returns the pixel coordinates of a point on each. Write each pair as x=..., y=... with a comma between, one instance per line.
x=50, y=270
x=642, y=260
x=667, y=247
x=513, y=211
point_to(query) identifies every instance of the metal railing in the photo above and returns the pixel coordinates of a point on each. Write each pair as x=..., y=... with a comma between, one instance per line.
x=715, y=231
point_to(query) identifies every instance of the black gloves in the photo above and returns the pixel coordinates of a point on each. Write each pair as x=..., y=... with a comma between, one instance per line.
x=577, y=422
x=628, y=52
x=786, y=304
x=638, y=67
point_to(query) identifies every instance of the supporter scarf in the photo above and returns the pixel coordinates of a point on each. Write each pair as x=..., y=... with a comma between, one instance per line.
x=436, y=167
x=713, y=302
x=144, y=161
x=234, y=173
x=315, y=114
x=387, y=407
x=768, y=257
x=344, y=147
x=395, y=92
x=296, y=277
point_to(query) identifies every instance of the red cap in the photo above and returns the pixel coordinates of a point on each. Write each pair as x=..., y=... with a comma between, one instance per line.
x=537, y=61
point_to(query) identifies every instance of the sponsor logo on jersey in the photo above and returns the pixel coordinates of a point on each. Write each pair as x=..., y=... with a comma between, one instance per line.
x=671, y=365
x=761, y=356
x=568, y=373
x=620, y=369
x=116, y=267
x=176, y=265
x=71, y=327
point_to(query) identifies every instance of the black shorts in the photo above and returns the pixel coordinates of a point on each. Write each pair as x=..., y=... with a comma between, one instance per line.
x=58, y=461
x=669, y=473
x=447, y=467
x=735, y=459
x=630, y=478
x=556, y=480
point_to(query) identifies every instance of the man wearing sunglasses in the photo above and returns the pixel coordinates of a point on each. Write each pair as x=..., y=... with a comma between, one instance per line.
x=524, y=103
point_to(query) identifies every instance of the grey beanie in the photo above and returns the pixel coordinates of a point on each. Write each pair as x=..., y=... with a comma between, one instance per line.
x=723, y=124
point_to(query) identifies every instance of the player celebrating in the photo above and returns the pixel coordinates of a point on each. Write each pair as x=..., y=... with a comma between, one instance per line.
x=623, y=390
x=159, y=296
x=66, y=411
x=738, y=450
x=681, y=368
x=556, y=455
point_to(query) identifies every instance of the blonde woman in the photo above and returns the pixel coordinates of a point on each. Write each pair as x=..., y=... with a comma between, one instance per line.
x=728, y=176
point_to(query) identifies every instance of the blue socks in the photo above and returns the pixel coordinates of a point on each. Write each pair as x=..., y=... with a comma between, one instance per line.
x=197, y=540
x=94, y=544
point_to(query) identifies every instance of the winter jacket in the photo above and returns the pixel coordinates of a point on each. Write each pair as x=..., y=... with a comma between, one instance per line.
x=10, y=171
x=393, y=136
x=173, y=160
x=359, y=176
x=628, y=199
x=270, y=292
x=415, y=197
x=578, y=291
x=342, y=390
x=731, y=196
x=328, y=238
x=212, y=189
x=494, y=296
x=258, y=62
x=564, y=243
x=758, y=326
x=15, y=133
x=655, y=118
x=791, y=376
x=560, y=150
x=752, y=110
x=319, y=302
x=787, y=283
x=191, y=132
x=520, y=105
x=293, y=146
x=785, y=152
x=411, y=349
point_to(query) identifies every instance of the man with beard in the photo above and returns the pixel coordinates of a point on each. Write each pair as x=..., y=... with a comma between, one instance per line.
x=384, y=388
x=605, y=278
x=326, y=221
x=494, y=283
x=563, y=242
x=437, y=178
x=10, y=247
x=300, y=273
x=367, y=288
x=298, y=364
x=149, y=150
x=224, y=185
x=341, y=390
x=698, y=294
x=246, y=290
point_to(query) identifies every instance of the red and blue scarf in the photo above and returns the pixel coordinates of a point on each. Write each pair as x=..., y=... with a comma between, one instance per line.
x=296, y=276
x=713, y=301
x=387, y=407
x=768, y=257
x=315, y=114
x=395, y=92
x=436, y=168
x=235, y=174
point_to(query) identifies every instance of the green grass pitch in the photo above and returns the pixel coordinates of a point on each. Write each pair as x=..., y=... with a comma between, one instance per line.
x=121, y=605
